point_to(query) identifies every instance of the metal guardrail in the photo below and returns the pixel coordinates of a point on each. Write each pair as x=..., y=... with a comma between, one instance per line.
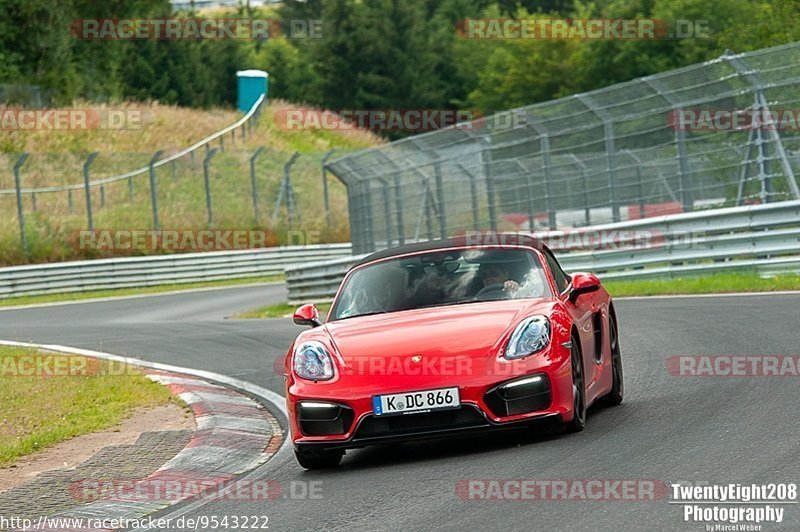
x=131, y=272
x=762, y=237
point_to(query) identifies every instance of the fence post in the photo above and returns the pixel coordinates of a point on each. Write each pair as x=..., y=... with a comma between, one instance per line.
x=398, y=201
x=440, y=200
x=325, y=185
x=587, y=215
x=33, y=201
x=352, y=213
x=387, y=214
x=87, y=189
x=20, y=211
x=529, y=194
x=154, y=189
x=685, y=177
x=473, y=191
x=290, y=198
x=428, y=208
x=544, y=150
x=398, y=198
x=102, y=196
x=278, y=202
x=486, y=155
x=757, y=83
x=174, y=169
x=639, y=181
x=253, y=184
x=285, y=189
x=69, y=200
x=367, y=199
x=608, y=133
x=207, y=183
x=745, y=174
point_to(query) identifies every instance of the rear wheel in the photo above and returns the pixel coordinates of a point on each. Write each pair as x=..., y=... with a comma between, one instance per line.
x=614, y=397
x=578, y=390
x=318, y=459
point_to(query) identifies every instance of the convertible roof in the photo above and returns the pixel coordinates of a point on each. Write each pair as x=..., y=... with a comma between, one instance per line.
x=476, y=239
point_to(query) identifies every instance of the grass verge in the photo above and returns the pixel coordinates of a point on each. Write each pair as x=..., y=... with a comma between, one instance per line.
x=64, y=397
x=279, y=310
x=703, y=284
x=99, y=294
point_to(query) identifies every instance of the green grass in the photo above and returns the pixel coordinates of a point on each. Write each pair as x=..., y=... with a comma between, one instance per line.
x=37, y=412
x=278, y=310
x=98, y=294
x=703, y=284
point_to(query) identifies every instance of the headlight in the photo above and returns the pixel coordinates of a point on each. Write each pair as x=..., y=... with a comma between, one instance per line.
x=530, y=336
x=313, y=362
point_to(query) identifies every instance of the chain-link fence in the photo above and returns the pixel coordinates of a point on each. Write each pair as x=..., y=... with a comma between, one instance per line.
x=280, y=193
x=720, y=133
x=224, y=182
x=25, y=95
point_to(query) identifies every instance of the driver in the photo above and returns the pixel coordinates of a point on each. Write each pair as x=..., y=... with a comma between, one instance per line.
x=495, y=274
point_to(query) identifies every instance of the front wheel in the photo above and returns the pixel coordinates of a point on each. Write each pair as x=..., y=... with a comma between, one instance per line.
x=578, y=390
x=314, y=459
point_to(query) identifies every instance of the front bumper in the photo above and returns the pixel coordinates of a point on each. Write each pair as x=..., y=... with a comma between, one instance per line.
x=467, y=420
x=542, y=389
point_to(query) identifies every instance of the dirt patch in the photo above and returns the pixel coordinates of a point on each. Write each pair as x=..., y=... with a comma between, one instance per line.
x=68, y=454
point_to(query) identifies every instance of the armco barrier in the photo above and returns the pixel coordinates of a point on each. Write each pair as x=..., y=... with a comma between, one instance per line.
x=154, y=270
x=762, y=237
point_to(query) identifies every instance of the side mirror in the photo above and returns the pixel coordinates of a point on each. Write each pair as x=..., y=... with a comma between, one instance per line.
x=583, y=283
x=307, y=315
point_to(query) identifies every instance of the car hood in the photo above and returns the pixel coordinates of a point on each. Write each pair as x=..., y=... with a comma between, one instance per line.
x=456, y=331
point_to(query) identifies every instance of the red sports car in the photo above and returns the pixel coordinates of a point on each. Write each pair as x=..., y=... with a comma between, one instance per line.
x=447, y=336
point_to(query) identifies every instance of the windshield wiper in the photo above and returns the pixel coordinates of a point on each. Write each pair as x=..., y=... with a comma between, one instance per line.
x=364, y=314
x=450, y=303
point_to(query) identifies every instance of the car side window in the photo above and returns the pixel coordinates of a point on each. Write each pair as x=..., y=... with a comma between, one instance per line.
x=561, y=278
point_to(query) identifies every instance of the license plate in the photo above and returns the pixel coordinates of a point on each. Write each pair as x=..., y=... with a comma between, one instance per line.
x=416, y=402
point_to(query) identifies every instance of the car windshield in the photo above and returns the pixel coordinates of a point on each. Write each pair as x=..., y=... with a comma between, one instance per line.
x=441, y=278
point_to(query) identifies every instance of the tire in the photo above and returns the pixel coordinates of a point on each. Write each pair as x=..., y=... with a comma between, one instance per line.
x=614, y=397
x=578, y=422
x=318, y=459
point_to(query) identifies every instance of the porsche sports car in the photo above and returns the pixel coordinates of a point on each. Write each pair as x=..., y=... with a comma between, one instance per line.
x=447, y=336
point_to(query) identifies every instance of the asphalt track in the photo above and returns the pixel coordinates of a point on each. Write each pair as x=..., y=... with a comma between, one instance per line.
x=670, y=428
